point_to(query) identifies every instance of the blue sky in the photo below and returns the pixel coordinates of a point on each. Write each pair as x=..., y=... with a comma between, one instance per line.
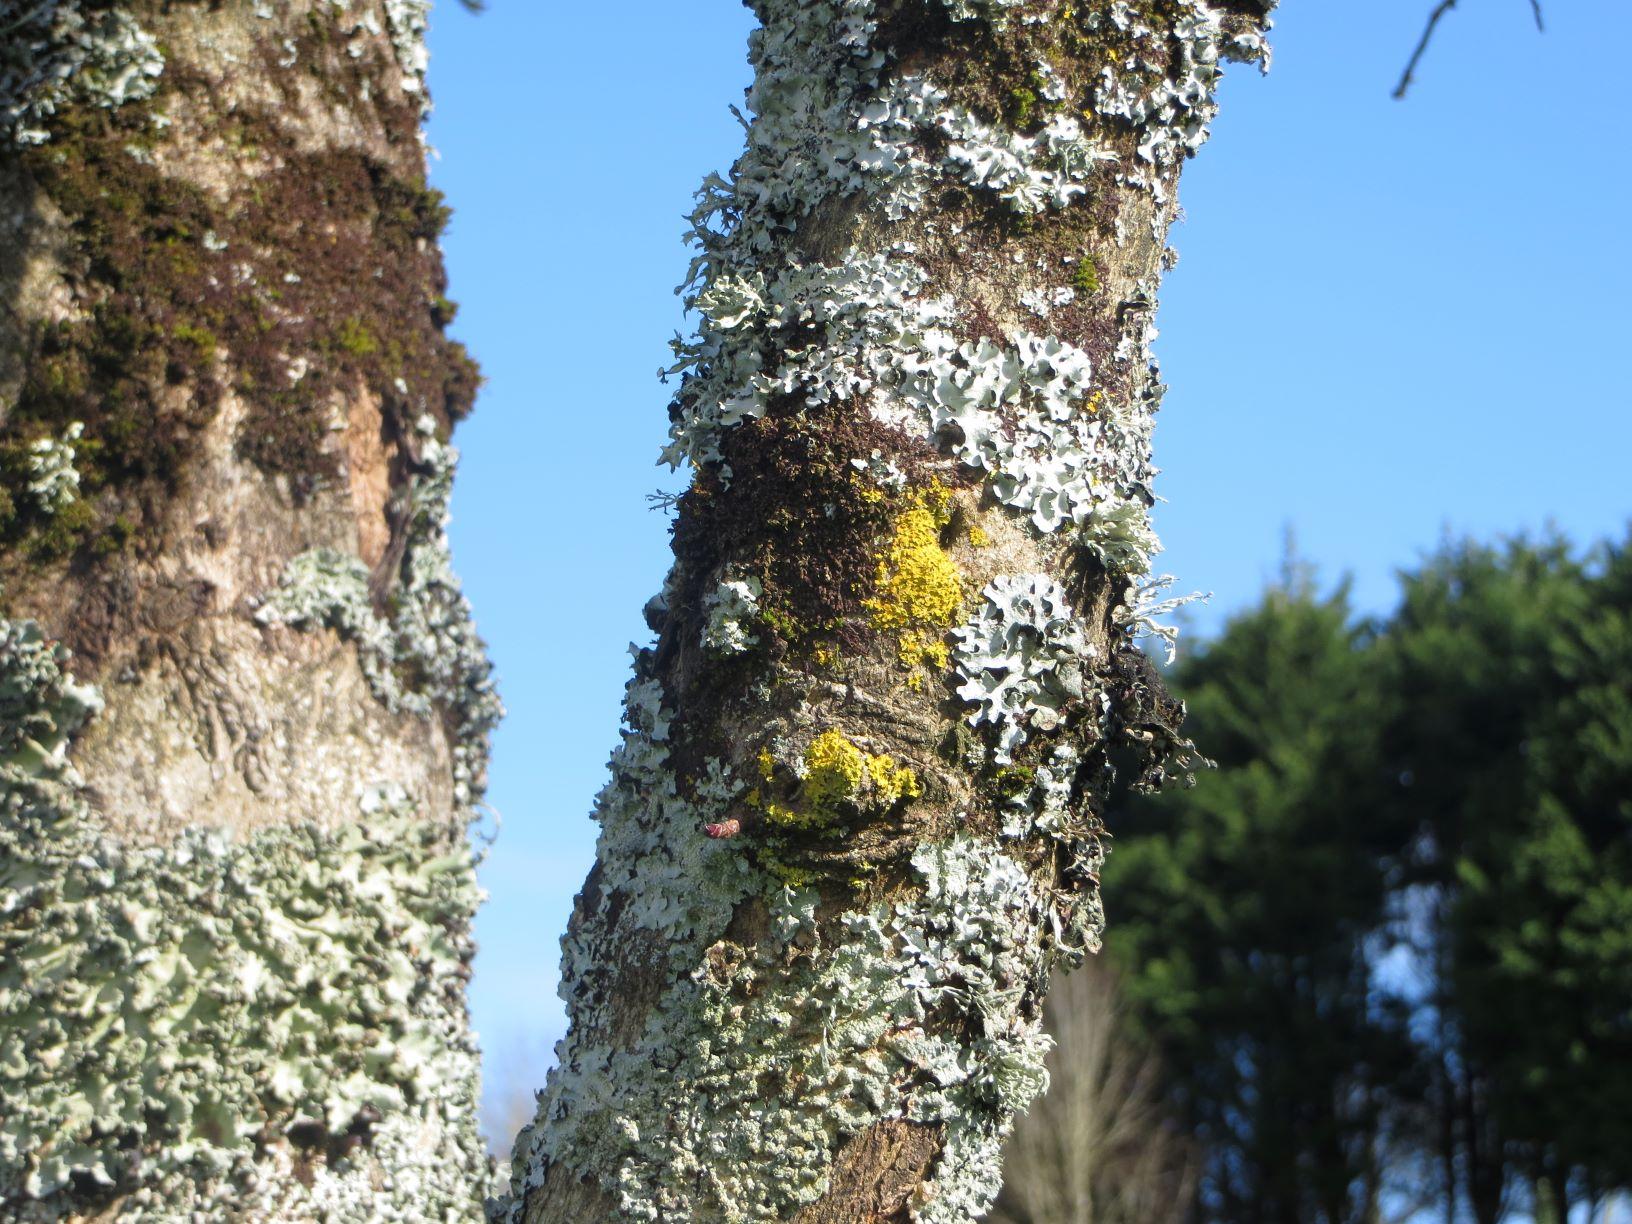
x=1390, y=321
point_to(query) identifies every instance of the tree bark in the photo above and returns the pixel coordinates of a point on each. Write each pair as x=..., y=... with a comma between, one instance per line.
x=857, y=813
x=243, y=712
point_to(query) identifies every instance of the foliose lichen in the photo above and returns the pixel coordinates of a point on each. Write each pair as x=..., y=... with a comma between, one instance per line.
x=257, y=1024
x=1022, y=658
x=423, y=653
x=911, y=1012
x=58, y=52
x=1021, y=407
x=789, y=1006
x=53, y=483
x=732, y=607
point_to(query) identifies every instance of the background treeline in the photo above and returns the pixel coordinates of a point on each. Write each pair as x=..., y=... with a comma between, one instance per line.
x=1377, y=966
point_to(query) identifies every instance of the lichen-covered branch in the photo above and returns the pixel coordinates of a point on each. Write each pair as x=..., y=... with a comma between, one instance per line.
x=243, y=709
x=857, y=813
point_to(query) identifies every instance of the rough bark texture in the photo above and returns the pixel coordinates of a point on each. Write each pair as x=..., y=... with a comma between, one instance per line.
x=856, y=816
x=243, y=712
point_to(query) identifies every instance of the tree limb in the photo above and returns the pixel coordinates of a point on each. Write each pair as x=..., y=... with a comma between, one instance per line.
x=1443, y=7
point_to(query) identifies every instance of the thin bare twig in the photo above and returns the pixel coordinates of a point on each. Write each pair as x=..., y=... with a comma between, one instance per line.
x=1440, y=10
x=1443, y=7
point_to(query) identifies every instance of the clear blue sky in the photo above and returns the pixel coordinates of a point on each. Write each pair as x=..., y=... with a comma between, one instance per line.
x=1390, y=321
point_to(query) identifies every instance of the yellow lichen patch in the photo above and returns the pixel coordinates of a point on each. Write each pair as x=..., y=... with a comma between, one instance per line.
x=919, y=591
x=789, y=875
x=836, y=774
x=791, y=818
x=978, y=537
x=833, y=769
x=892, y=782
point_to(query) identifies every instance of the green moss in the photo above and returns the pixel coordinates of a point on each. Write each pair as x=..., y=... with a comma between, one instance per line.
x=314, y=277
x=201, y=339
x=1012, y=781
x=114, y=537
x=1022, y=105
x=1085, y=280
x=62, y=532
x=355, y=338
x=792, y=479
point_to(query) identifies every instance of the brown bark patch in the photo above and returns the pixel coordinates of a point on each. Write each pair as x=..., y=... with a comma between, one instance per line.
x=876, y=1175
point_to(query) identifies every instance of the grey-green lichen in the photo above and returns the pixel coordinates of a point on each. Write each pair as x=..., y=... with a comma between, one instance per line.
x=53, y=482
x=731, y=1030
x=57, y=52
x=422, y=654
x=732, y=609
x=1022, y=657
x=41, y=706
x=270, y=1025
x=782, y=1049
x=1052, y=433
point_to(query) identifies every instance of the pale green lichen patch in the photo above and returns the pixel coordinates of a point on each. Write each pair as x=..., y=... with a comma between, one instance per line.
x=424, y=654
x=53, y=483
x=54, y=53
x=261, y=1024
x=923, y=1011
x=1023, y=657
x=732, y=608
x=40, y=708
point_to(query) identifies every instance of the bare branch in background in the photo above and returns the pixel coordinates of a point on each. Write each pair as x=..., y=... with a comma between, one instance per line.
x=1443, y=7
x=1099, y=1147
x=1440, y=9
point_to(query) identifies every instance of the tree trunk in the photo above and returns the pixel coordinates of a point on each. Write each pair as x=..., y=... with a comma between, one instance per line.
x=243, y=712
x=856, y=816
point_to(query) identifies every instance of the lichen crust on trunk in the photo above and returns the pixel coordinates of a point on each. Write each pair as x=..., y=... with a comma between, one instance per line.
x=243, y=708
x=856, y=816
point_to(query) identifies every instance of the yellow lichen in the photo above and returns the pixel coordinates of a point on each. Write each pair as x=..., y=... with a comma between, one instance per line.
x=833, y=769
x=836, y=773
x=892, y=782
x=919, y=591
x=792, y=818
x=978, y=537
x=793, y=877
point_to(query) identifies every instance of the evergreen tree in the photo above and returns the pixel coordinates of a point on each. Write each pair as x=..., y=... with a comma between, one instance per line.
x=1242, y=914
x=1505, y=681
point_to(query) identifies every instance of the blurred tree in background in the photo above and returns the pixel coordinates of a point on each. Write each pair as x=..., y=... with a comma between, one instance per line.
x=1505, y=758
x=1100, y=1147
x=1382, y=955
